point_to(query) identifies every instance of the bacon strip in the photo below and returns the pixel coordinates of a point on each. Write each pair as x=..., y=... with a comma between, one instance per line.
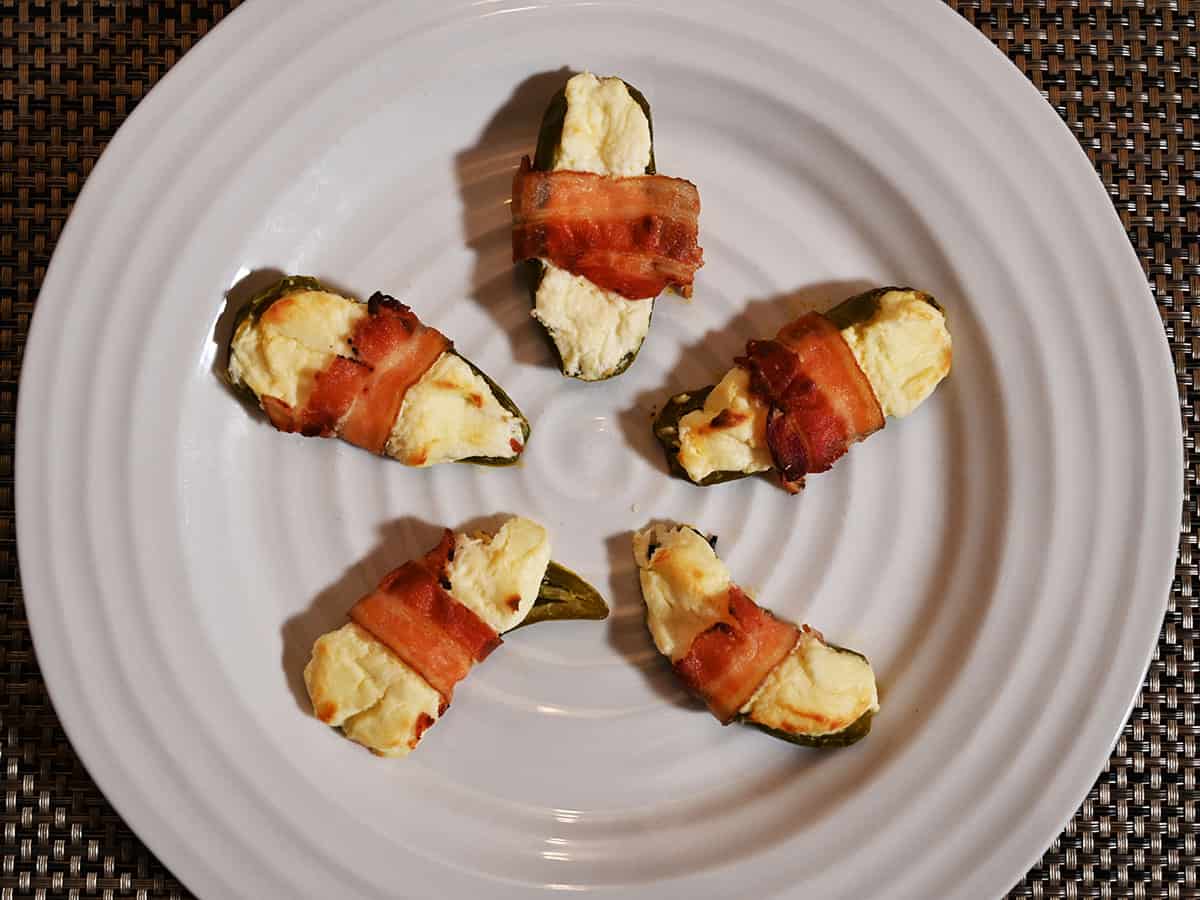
x=727, y=662
x=359, y=399
x=821, y=402
x=439, y=557
x=423, y=624
x=399, y=349
x=334, y=391
x=634, y=236
x=830, y=362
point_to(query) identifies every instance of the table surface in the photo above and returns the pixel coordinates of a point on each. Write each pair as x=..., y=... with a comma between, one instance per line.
x=1124, y=76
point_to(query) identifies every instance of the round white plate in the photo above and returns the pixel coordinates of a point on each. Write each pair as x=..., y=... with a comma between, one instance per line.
x=1003, y=556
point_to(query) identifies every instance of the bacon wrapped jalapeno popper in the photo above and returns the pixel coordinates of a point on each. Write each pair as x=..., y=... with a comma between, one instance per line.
x=389, y=674
x=372, y=374
x=747, y=665
x=797, y=403
x=606, y=234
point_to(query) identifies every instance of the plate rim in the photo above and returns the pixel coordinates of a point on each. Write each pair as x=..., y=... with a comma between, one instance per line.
x=159, y=99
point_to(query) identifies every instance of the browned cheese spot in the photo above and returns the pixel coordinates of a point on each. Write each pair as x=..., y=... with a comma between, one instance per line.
x=278, y=311
x=727, y=418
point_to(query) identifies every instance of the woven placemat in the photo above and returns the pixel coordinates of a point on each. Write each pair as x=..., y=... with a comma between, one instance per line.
x=1123, y=75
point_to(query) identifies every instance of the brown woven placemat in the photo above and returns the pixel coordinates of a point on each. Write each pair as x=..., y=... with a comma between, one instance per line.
x=1124, y=77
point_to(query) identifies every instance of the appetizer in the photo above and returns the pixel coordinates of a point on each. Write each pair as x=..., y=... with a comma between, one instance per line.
x=389, y=673
x=606, y=234
x=797, y=403
x=744, y=663
x=370, y=373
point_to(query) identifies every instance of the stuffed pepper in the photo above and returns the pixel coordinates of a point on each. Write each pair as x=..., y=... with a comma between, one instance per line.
x=605, y=233
x=747, y=665
x=389, y=673
x=371, y=374
x=796, y=403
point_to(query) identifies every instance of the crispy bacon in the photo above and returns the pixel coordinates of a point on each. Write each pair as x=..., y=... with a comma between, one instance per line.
x=830, y=362
x=439, y=557
x=423, y=624
x=424, y=723
x=333, y=392
x=727, y=662
x=282, y=415
x=399, y=349
x=634, y=236
x=821, y=402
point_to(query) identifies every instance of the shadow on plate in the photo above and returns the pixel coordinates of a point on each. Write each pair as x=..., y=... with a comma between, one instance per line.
x=484, y=173
x=627, y=632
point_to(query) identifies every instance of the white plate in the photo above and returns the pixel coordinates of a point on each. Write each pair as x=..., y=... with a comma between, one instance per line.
x=1004, y=556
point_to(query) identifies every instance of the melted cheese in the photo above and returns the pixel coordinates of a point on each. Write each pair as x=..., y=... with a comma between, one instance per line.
x=606, y=132
x=904, y=349
x=498, y=576
x=359, y=685
x=593, y=329
x=729, y=434
x=278, y=354
x=684, y=584
x=816, y=690
x=451, y=414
